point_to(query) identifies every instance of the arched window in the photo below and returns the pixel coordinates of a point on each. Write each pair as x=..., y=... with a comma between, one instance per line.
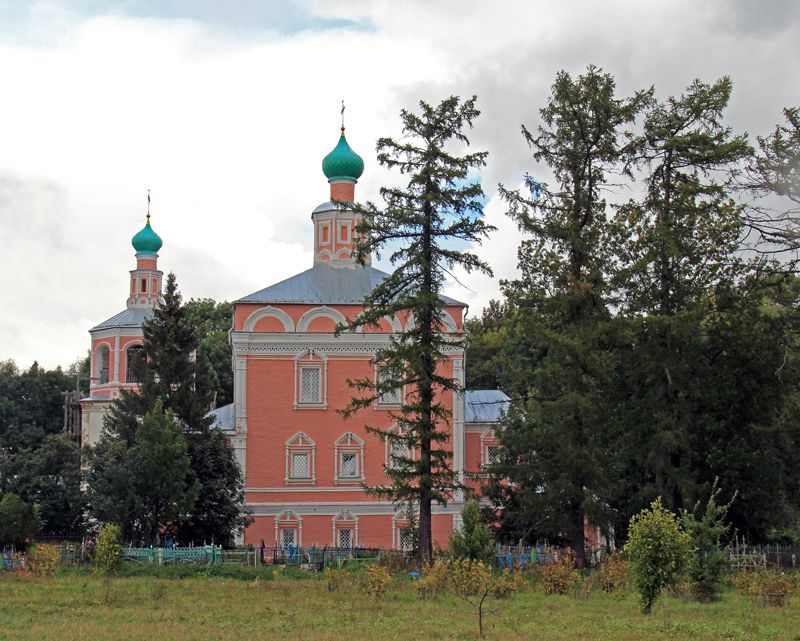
x=132, y=354
x=102, y=360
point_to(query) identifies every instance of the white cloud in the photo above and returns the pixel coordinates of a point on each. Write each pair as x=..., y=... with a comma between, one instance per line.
x=228, y=128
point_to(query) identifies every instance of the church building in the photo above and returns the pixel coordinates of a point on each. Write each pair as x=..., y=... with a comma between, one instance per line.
x=305, y=465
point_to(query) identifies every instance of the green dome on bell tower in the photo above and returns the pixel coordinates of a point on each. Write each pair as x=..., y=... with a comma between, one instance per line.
x=342, y=163
x=147, y=241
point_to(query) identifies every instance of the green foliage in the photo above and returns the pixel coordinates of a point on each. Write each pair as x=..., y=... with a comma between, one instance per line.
x=207, y=502
x=440, y=204
x=39, y=463
x=19, y=521
x=709, y=561
x=557, y=438
x=142, y=486
x=658, y=549
x=434, y=579
x=108, y=552
x=474, y=540
x=211, y=321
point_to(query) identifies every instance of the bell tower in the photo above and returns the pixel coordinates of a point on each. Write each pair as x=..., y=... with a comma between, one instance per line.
x=145, y=290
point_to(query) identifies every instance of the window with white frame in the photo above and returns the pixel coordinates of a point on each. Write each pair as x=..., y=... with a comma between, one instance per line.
x=310, y=384
x=102, y=365
x=345, y=537
x=491, y=454
x=300, y=459
x=389, y=397
x=349, y=452
x=405, y=539
x=398, y=450
x=288, y=537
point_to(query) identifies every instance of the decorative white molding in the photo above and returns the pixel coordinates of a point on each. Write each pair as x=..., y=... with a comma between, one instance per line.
x=269, y=312
x=319, y=312
x=301, y=443
x=322, y=365
x=319, y=343
x=344, y=518
x=348, y=443
x=447, y=320
x=361, y=508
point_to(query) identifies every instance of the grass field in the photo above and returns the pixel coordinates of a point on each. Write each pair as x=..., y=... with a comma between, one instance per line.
x=71, y=608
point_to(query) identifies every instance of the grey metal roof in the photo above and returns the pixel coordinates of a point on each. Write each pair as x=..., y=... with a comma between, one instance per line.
x=484, y=405
x=133, y=317
x=325, y=284
x=223, y=418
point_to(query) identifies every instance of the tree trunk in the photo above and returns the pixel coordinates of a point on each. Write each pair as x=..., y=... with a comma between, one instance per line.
x=578, y=540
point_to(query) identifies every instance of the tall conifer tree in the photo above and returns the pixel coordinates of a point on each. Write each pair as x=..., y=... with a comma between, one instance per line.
x=441, y=203
x=555, y=448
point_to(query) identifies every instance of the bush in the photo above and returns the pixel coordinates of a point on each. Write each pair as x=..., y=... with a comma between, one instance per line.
x=44, y=559
x=476, y=582
x=376, y=581
x=474, y=540
x=435, y=579
x=613, y=573
x=765, y=587
x=335, y=580
x=657, y=549
x=559, y=576
x=108, y=552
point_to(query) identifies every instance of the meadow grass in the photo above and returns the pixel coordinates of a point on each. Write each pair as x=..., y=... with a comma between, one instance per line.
x=70, y=607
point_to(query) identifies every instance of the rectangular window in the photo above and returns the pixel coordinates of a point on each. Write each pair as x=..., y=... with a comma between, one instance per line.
x=399, y=452
x=345, y=538
x=288, y=537
x=406, y=539
x=144, y=286
x=348, y=465
x=390, y=397
x=300, y=465
x=491, y=454
x=344, y=232
x=310, y=385
x=324, y=232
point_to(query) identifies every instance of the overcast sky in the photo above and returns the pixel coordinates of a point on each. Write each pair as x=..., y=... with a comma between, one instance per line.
x=225, y=110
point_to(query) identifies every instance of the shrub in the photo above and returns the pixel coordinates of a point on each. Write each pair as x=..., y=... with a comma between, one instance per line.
x=476, y=582
x=657, y=549
x=559, y=576
x=435, y=578
x=376, y=581
x=474, y=540
x=108, y=552
x=44, y=559
x=765, y=587
x=709, y=562
x=335, y=580
x=613, y=573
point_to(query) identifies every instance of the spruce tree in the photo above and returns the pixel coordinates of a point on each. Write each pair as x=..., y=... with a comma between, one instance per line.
x=418, y=223
x=170, y=371
x=555, y=447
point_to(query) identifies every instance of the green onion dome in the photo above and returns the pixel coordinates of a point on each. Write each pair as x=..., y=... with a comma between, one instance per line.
x=147, y=241
x=342, y=162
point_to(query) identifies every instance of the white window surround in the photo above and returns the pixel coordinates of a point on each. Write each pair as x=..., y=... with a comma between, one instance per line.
x=344, y=520
x=310, y=361
x=102, y=362
x=325, y=239
x=345, y=448
x=285, y=521
x=400, y=524
x=300, y=445
x=488, y=440
x=391, y=399
x=135, y=348
x=396, y=446
x=343, y=231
